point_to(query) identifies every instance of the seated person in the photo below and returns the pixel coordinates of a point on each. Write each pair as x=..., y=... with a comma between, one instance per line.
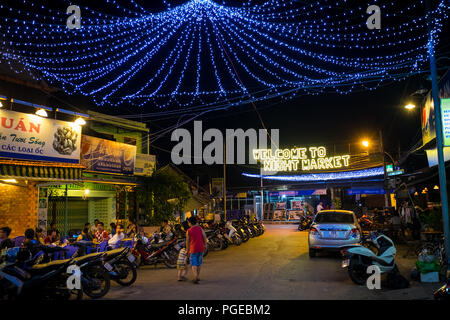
x=6, y=242
x=30, y=243
x=85, y=235
x=53, y=228
x=101, y=234
x=39, y=235
x=114, y=242
x=131, y=228
x=52, y=238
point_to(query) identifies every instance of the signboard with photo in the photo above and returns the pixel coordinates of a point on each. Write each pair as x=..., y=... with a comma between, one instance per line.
x=144, y=165
x=28, y=136
x=107, y=156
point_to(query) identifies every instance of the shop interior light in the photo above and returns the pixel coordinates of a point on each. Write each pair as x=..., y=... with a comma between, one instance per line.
x=1, y=104
x=436, y=187
x=86, y=192
x=410, y=106
x=80, y=121
x=42, y=113
x=10, y=180
x=416, y=193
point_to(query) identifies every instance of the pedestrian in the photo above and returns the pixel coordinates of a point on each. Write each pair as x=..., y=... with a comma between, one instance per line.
x=182, y=265
x=319, y=207
x=196, y=242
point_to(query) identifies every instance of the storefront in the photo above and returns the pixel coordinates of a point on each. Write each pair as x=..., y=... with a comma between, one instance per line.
x=296, y=180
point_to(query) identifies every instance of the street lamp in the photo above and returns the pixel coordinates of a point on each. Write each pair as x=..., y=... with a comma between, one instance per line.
x=410, y=106
x=365, y=143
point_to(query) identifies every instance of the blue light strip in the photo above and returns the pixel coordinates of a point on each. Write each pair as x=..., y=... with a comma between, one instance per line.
x=357, y=174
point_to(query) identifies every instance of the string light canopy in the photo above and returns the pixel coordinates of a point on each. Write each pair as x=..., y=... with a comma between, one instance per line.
x=207, y=53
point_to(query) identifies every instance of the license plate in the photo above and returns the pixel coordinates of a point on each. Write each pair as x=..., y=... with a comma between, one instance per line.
x=131, y=258
x=108, y=266
x=345, y=263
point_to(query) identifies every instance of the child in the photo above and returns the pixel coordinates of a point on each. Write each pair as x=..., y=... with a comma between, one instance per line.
x=181, y=265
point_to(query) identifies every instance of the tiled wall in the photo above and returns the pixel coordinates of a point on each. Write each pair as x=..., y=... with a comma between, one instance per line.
x=18, y=208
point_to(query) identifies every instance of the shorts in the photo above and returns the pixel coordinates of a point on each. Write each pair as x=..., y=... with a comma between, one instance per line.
x=196, y=259
x=181, y=266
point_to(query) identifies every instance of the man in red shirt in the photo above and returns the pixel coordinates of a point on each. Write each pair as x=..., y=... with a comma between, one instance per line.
x=101, y=234
x=196, y=242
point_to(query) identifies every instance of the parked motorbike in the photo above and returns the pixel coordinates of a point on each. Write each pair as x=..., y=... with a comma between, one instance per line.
x=20, y=278
x=365, y=222
x=305, y=223
x=121, y=266
x=154, y=250
x=358, y=258
x=233, y=235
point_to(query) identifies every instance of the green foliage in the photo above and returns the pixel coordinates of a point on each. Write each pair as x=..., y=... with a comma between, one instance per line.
x=337, y=203
x=432, y=218
x=153, y=195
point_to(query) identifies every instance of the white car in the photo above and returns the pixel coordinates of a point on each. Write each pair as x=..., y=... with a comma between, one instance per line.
x=332, y=230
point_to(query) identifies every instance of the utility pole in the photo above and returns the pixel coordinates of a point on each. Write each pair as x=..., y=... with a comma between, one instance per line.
x=224, y=183
x=439, y=133
x=262, y=194
x=387, y=196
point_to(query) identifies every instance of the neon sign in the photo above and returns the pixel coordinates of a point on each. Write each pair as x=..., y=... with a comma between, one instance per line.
x=306, y=159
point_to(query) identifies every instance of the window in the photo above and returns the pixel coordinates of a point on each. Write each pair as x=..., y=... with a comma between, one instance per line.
x=334, y=217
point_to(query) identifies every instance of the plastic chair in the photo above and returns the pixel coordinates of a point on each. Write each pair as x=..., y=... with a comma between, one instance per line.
x=18, y=241
x=102, y=247
x=70, y=251
x=127, y=243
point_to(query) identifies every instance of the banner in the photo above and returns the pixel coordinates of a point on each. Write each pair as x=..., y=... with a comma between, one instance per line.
x=107, y=156
x=217, y=187
x=28, y=136
x=433, y=158
x=445, y=111
x=144, y=165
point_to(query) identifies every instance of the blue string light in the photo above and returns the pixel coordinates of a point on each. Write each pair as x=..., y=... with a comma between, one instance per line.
x=195, y=53
x=356, y=174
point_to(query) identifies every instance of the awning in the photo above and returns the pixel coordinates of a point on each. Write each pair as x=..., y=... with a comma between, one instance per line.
x=194, y=203
x=36, y=170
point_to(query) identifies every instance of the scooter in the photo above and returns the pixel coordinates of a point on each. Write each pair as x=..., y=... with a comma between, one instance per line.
x=357, y=258
x=152, y=251
x=305, y=223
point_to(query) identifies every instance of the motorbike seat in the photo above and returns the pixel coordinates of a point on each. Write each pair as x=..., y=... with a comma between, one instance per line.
x=114, y=253
x=88, y=257
x=45, y=267
x=158, y=245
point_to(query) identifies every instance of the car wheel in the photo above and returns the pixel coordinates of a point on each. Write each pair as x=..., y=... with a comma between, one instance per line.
x=312, y=253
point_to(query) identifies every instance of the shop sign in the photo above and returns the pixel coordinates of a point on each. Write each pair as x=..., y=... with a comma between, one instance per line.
x=217, y=187
x=445, y=111
x=355, y=191
x=294, y=193
x=144, y=165
x=107, y=156
x=305, y=159
x=28, y=136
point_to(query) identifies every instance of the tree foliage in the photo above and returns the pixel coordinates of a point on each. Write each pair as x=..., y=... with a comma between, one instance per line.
x=162, y=195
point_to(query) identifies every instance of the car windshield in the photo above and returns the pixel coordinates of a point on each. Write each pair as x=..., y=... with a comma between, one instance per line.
x=334, y=217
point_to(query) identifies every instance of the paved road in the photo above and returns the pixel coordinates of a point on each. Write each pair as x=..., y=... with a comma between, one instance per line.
x=275, y=265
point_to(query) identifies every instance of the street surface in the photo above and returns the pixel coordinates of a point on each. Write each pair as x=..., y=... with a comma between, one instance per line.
x=275, y=265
